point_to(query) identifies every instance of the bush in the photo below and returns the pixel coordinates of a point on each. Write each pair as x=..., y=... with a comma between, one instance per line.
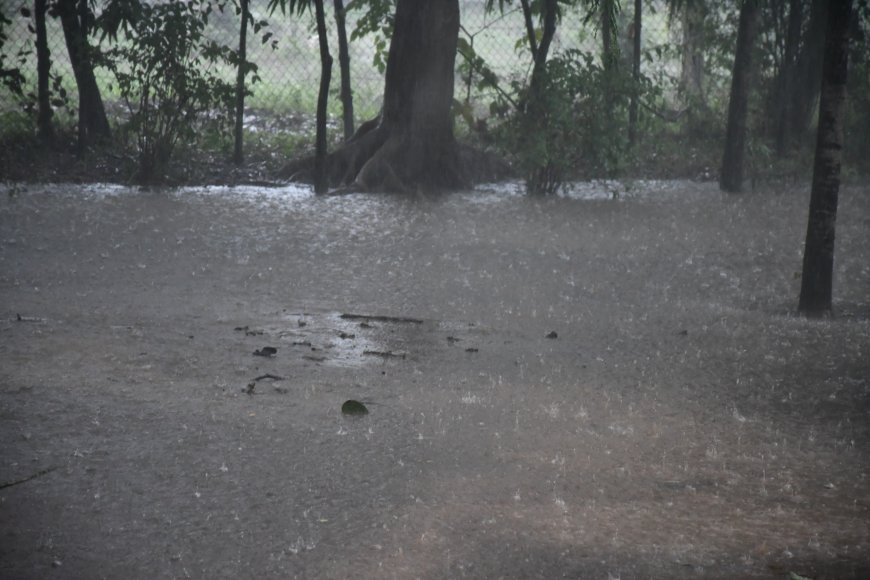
x=167, y=80
x=576, y=123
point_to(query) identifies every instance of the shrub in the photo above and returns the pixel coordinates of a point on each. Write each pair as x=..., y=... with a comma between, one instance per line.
x=168, y=81
x=576, y=123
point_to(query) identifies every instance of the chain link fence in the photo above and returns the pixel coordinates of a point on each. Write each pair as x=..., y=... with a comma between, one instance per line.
x=290, y=72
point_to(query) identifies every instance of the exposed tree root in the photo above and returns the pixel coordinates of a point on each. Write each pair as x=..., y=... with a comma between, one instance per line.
x=373, y=160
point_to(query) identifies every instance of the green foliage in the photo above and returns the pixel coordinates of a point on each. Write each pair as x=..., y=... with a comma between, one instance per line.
x=164, y=74
x=376, y=20
x=10, y=74
x=474, y=71
x=574, y=124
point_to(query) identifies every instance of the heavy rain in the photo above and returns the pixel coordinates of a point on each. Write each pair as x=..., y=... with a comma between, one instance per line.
x=587, y=386
x=385, y=289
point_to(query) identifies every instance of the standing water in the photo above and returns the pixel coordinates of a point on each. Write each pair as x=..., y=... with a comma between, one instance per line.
x=606, y=384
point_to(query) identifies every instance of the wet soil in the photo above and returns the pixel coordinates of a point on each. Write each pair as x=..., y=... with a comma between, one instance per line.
x=608, y=384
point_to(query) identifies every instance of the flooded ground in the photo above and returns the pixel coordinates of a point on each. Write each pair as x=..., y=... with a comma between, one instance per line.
x=609, y=384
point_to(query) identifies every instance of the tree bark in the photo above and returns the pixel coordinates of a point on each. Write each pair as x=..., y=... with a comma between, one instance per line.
x=411, y=146
x=692, y=70
x=808, y=73
x=238, y=130
x=785, y=85
x=609, y=53
x=321, y=183
x=530, y=28
x=635, y=71
x=731, y=178
x=44, y=125
x=344, y=69
x=540, y=180
x=93, y=123
x=818, y=263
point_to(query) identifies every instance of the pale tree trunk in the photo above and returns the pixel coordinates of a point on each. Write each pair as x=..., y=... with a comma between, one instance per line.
x=818, y=263
x=635, y=71
x=692, y=61
x=731, y=178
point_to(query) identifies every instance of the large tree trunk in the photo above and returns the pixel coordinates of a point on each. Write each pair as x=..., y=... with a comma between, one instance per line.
x=344, y=69
x=44, y=125
x=731, y=178
x=93, y=123
x=411, y=146
x=818, y=264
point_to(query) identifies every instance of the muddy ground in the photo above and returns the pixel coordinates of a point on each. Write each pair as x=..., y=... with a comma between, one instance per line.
x=593, y=386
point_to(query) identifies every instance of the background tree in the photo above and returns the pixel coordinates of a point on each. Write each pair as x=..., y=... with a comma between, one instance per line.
x=818, y=263
x=76, y=19
x=807, y=76
x=44, y=112
x=321, y=184
x=609, y=10
x=346, y=92
x=786, y=80
x=238, y=128
x=731, y=178
x=636, y=30
x=541, y=174
x=693, y=15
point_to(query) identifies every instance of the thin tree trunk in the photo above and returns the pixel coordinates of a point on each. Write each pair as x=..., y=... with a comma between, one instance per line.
x=808, y=73
x=818, y=263
x=731, y=178
x=783, y=133
x=238, y=133
x=635, y=72
x=692, y=73
x=530, y=28
x=321, y=183
x=45, y=127
x=344, y=69
x=539, y=179
x=93, y=123
x=609, y=53
x=542, y=50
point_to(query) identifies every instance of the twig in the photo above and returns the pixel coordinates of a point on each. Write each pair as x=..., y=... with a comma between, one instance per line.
x=385, y=354
x=381, y=318
x=39, y=473
x=269, y=376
